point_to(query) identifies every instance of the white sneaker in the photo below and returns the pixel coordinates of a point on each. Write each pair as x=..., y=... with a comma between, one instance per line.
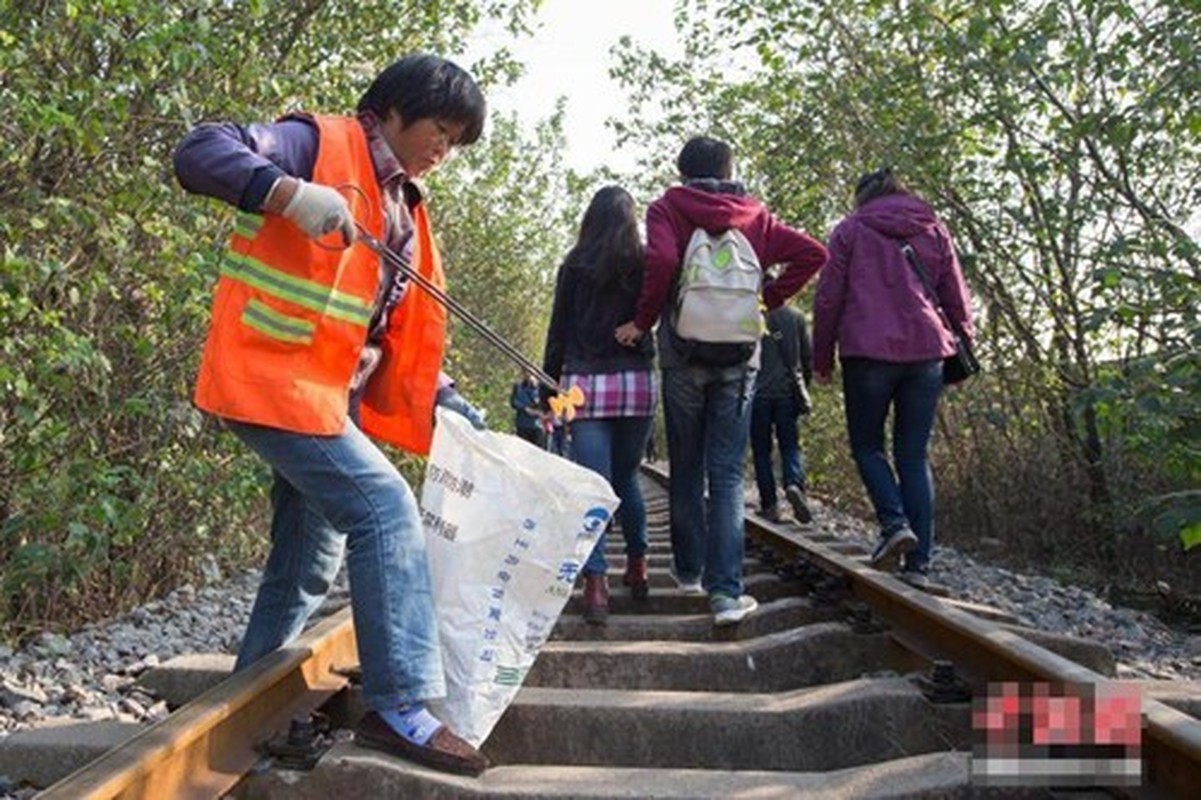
x=888, y=553
x=731, y=610
x=693, y=587
x=915, y=578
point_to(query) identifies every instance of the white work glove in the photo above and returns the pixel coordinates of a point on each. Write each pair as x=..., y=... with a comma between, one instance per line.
x=318, y=210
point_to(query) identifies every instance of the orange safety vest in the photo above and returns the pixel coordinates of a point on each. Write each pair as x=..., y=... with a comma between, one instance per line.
x=290, y=317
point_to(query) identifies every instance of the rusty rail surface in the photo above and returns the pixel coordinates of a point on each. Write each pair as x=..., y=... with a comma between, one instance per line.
x=1171, y=739
x=987, y=652
x=204, y=748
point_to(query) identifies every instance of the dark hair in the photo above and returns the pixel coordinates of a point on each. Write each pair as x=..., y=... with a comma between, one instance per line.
x=876, y=184
x=703, y=157
x=609, y=246
x=420, y=86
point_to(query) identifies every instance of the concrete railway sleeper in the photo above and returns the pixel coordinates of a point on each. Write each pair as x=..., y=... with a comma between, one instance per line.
x=844, y=683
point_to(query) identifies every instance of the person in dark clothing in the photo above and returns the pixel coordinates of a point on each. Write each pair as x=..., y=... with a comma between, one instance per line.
x=781, y=398
x=707, y=408
x=558, y=439
x=652, y=449
x=891, y=343
x=596, y=288
x=527, y=415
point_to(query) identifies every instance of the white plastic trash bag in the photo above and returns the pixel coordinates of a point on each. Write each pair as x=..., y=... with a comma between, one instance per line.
x=508, y=527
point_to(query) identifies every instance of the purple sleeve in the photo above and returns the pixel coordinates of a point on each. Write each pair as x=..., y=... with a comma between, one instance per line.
x=828, y=302
x=240, y=163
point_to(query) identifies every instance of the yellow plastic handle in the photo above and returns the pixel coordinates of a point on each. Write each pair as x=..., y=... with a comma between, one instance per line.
x=564, y=404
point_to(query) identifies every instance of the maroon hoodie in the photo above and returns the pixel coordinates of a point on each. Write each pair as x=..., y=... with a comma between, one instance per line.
x=717, y=207
x=869, y=299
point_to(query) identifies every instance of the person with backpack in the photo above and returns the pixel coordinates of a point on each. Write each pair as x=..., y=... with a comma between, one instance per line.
x=873, y=305
x=318, y=347
x=781, y=399
x=595, y=289
x=704, y=238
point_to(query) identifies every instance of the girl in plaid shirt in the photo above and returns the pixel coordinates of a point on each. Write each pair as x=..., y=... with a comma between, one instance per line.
x=595, y=291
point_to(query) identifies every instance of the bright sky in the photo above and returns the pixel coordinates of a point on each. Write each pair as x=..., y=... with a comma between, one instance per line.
x=569, y=56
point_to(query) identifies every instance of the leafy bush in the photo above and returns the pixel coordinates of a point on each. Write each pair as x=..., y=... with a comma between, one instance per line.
x=112, y=488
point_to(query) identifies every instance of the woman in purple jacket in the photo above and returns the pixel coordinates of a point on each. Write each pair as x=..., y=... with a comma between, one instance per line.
x=891, y=342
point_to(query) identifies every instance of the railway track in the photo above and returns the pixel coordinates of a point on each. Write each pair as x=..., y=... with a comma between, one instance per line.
x=845, y=683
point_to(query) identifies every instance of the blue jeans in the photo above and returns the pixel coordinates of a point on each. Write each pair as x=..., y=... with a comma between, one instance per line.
x=335, y=492
x=707, y=411
x=774, y=419
x=613, y=448
x=870, y=389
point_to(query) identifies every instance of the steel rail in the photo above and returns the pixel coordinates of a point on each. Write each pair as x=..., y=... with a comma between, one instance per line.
x=934, y=628
x=203, y=749
x=1171, y=739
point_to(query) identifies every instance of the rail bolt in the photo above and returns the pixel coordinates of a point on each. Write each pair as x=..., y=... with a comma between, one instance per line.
x=301, y=747
x=943, y=685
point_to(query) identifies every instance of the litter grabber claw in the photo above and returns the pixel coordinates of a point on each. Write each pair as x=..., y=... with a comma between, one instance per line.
x=564, y=403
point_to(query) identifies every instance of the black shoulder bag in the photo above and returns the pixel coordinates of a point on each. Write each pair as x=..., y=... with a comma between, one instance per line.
x=962, y=364
x=792, y=362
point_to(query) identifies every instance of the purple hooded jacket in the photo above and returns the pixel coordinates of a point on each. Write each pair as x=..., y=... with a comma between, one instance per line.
x=869, y=299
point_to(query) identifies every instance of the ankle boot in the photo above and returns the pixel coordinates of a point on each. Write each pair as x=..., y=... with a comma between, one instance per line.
x=635, y=577
x=596, y=599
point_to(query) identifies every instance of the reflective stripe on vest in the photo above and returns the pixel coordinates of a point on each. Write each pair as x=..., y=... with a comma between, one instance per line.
x=310, y=294
x=290, y=317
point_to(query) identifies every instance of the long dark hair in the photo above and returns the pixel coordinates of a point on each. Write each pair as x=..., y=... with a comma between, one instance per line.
x=609, y=248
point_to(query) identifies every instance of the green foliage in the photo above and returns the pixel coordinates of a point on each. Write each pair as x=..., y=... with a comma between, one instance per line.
x=1060, y=142
x=1190, y=532
x=501, y=264
x=112, y=488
